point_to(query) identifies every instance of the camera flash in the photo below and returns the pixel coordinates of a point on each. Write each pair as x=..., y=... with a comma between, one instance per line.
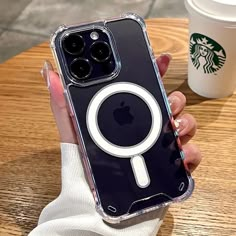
x=94, y=35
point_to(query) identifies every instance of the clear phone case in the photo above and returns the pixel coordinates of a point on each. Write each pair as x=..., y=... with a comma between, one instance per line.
x=138, y=167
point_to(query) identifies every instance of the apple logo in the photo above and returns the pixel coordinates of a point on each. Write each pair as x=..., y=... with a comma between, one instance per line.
x=122, y=115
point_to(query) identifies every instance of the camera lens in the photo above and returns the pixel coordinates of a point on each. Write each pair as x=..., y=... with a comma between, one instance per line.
x=73, y=44
x=81, y=68
x=100, y=51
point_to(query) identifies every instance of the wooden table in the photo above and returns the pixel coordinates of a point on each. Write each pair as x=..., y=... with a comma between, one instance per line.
x=30, y=155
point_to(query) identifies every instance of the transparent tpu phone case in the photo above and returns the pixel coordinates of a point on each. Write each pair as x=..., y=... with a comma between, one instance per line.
x=120, y=192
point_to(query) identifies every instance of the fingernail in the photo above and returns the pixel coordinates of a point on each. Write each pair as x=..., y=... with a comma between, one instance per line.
x=47, y=66
x=166, y=55
x=191, y=167
x=174, y=101
x=181, y=124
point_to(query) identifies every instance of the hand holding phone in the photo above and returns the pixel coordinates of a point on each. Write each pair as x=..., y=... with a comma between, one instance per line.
x=137, y=102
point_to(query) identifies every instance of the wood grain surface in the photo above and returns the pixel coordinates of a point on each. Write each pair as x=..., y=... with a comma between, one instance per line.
x=30, y=155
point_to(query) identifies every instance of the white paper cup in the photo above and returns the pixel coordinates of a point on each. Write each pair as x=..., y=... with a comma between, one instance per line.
x=212, y=51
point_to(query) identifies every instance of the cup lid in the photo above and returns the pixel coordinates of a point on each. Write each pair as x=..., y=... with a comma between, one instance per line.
x=224, y=10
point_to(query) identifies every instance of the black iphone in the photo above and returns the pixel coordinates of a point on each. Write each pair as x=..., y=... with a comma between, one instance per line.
x=120, y=111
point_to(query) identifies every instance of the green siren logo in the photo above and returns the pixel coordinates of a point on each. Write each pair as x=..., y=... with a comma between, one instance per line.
x=206, y=54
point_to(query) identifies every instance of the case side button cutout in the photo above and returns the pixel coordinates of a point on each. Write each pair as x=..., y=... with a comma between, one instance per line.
x=140, y=171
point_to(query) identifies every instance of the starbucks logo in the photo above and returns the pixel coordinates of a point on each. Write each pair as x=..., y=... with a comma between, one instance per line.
x=206, y=54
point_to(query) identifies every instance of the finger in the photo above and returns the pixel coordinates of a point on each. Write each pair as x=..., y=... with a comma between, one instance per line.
x=192, y=157
x=163, y=63
x=60, y=112
x=177, y=102
x=59, y=106
x=186, y=126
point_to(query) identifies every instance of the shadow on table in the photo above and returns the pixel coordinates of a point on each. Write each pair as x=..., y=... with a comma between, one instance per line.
x=201, y=112
x=167, y=226
x=165, y=215
x=27, y=185
x=192, y=98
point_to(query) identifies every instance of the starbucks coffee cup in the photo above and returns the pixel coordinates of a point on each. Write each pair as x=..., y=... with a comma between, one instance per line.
x=212, y=47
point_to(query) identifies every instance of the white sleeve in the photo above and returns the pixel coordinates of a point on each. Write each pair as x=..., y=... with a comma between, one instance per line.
x=73, y=212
